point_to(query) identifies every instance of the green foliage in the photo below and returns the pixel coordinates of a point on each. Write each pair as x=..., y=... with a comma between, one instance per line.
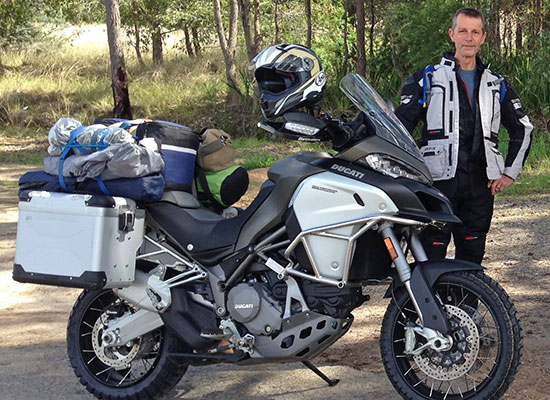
x=74, y=11
x=528, y=72
x=43, y=81
x=414, y=35
x=419, y=32
x=16, y=21
x=143, y=18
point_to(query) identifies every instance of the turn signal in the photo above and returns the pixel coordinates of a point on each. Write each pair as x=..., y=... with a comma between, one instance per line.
x=391, y=249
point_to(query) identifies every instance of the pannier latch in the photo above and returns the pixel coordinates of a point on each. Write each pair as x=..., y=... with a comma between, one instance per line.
x=126, y=221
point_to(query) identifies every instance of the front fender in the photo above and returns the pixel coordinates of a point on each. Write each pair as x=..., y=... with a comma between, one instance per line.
x=433, y=269
x=423, y=277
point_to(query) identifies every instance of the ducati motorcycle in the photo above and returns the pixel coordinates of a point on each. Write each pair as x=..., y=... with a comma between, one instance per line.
x=279, y=281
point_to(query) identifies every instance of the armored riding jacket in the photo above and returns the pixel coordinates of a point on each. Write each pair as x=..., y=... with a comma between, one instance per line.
x=455, y=136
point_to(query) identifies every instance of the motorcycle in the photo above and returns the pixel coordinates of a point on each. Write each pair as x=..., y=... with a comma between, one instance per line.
x=279, y=281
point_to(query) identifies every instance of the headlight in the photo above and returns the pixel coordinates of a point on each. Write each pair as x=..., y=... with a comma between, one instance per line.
x=302, y=129
x=392, y=167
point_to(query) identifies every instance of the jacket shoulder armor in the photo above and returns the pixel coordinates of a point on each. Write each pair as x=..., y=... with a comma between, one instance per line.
x=497, y=80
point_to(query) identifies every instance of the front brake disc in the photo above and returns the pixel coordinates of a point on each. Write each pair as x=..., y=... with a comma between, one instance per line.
x=453, y=363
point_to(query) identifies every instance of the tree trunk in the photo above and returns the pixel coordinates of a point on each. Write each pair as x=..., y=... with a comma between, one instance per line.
x=361, y=64
x=119, y=78
x=244, y=7
x=519, y=36
x=506, y=37
x=276, y=20
x=510, y=34
x=346, y=47
x=158, y=57
x=308, y=19
x=395, y=62
x=138, y=45
x=196, y=42
x=257, y=34
x=494, y=26
x=371, y=33
x=188, y=44
x=228, y=46
x=537, y=12
x=537, y=21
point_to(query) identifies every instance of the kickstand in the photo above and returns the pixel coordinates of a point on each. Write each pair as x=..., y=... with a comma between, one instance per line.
x=312, y=367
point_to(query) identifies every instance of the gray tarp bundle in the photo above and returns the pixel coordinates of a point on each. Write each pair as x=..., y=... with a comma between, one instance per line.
x=123, y=159
x=60, y=134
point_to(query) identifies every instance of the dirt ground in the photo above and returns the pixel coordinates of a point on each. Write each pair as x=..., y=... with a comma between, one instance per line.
x=33, y=361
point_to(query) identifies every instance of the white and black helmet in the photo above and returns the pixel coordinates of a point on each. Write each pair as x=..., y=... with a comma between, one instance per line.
x=288, y=76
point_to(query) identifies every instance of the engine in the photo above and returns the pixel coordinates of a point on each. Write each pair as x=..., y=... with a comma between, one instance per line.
x=258, y=304
x=330, y=300
x=325, y=299
x=252, y=305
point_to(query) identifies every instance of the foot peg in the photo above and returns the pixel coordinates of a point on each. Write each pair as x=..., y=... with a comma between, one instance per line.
x=331, y=382
x=216, y=334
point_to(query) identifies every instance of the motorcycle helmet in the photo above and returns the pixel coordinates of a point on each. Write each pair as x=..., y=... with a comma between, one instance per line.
x=287, y=76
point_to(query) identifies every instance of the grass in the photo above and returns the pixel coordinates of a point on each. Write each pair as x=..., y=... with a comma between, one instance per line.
x=260, y=153
x=22, y=157
x=44, y=82
x=531, y=182
x=535, y=176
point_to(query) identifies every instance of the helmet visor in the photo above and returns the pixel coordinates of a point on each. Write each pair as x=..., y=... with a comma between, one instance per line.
x=274, y=81
x=279, y=59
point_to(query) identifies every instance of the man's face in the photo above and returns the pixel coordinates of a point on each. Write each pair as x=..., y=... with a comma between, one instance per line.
x=468, y=35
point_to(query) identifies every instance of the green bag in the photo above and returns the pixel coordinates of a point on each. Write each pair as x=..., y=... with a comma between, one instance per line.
x=223, y=188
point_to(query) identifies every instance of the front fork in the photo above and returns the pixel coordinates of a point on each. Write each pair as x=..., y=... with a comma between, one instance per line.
x=430, y=314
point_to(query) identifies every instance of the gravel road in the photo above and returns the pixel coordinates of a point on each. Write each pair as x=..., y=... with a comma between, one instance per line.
x=34, y=364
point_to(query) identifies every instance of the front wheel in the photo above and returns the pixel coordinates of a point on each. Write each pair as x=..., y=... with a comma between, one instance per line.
x=486, y=350
x=141, y=369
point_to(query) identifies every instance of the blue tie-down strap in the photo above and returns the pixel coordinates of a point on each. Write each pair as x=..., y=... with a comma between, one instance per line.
x=68, y=150
x=124, y=123
x=146, y=189
x=102, y=186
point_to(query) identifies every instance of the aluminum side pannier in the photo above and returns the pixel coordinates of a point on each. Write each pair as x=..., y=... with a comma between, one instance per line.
x=77, y=240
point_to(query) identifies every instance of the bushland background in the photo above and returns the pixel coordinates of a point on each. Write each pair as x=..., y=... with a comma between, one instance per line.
x=186, y=61
x=180, y=65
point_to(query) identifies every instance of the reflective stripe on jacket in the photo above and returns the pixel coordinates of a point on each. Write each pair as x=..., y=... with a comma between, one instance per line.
x=443, y=121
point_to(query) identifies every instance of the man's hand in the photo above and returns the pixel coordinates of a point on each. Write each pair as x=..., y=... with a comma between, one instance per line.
x=498, y=185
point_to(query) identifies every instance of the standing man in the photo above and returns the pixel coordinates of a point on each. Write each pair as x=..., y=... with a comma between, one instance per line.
x=462, y=103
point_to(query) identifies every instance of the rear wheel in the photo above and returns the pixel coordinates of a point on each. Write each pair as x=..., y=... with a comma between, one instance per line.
x=486, y=348
x=141, y=369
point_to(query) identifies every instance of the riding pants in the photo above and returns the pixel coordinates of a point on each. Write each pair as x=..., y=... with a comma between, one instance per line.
x=472, y=202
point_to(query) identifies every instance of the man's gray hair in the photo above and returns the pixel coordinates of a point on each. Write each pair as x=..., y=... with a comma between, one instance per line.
x=470, y=12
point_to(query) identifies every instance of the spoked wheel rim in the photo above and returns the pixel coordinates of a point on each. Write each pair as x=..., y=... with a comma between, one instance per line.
x=470, y=364
x=121, y=366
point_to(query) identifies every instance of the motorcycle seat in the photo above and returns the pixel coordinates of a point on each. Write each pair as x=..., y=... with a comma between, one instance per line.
x=181, y=199
x=203, y=234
